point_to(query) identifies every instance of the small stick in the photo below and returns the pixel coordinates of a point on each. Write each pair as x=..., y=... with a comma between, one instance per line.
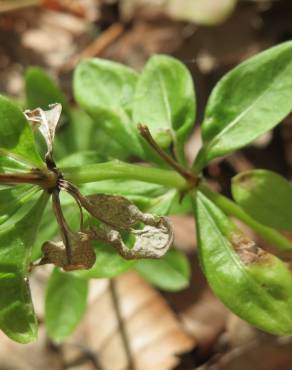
x=125, y=339
x=96, y=47
x=145, y=133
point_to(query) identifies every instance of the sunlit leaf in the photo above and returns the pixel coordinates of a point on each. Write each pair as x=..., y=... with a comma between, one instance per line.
x=247, y=102
x=253, y=283
x=105, y=90
x=165, y=101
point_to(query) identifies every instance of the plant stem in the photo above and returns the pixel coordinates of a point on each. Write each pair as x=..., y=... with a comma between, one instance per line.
x=146, y=134
x=43, y=178
x=228, y=206
x=124, y=171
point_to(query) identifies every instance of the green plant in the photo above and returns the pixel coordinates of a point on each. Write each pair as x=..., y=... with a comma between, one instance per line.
x=104, y=207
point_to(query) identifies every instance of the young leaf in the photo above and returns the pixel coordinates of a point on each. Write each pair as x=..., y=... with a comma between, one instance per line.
x=171, y=272
x=41, y=91
x=17, y=318
x=165, y=101
x=16, y=138
x=92, y=137
x=108, y=263
x=254, y=284
x=266, y=196
x=250, y=100
x=105, y=90
x=65, y=305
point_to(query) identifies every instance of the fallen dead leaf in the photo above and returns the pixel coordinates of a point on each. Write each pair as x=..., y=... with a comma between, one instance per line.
x=205, y=320
x=185, y=232
x=39, y=355
x=155, y=336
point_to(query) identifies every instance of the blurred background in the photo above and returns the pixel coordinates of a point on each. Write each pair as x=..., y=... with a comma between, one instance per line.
x=190, y=329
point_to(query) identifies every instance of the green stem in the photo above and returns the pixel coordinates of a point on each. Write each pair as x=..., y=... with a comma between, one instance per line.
x=228, y=206
x=125, y=171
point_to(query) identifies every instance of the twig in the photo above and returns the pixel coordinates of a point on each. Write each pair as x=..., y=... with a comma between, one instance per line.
x=145, y=133
x=125, y=339
x=96, y=47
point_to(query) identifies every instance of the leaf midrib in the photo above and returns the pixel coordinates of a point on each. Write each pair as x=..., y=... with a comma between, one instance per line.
x=253, y=282
x=230, y=126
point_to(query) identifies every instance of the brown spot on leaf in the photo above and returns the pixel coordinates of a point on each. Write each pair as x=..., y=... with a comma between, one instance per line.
x=247, y=250
x=246, y=181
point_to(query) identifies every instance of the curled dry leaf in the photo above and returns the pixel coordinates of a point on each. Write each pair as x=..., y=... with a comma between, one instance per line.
x=82, y=253
x=46, y=122
x=154, y=334
x=150, y=242
x=117, y=212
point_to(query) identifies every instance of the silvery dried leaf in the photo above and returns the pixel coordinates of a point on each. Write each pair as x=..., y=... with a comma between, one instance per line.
x=82, y=253
x=46, y=122
x=150, y=242
x=116, y=211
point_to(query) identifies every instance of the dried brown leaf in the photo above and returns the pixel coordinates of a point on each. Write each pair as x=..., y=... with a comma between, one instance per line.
x=119, y=214
x=206, y=320
x=155, y=336
x=150, y=242
x=82, y=253
x=115, y=211
x=46, y=122
x=38, y=355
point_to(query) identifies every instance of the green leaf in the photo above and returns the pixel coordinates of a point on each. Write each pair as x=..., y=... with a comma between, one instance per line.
x=41, y=91
x=17, y=318
x=147, y=196
x=266, y=196
x=170, y=273
x=248, y=101
x=105, y=90
x=66, y=299
x=93, y=137
x=16, y=138
x=254, y=284
x=8, y=165
x=108, y=263
x=165, y=101
x=15, y=203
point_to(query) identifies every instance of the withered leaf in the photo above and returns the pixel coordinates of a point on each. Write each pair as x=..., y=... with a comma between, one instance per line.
x=116, y=211
x=82, y=253
x=155, y=335
x=46, y=122
x=150, y=242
